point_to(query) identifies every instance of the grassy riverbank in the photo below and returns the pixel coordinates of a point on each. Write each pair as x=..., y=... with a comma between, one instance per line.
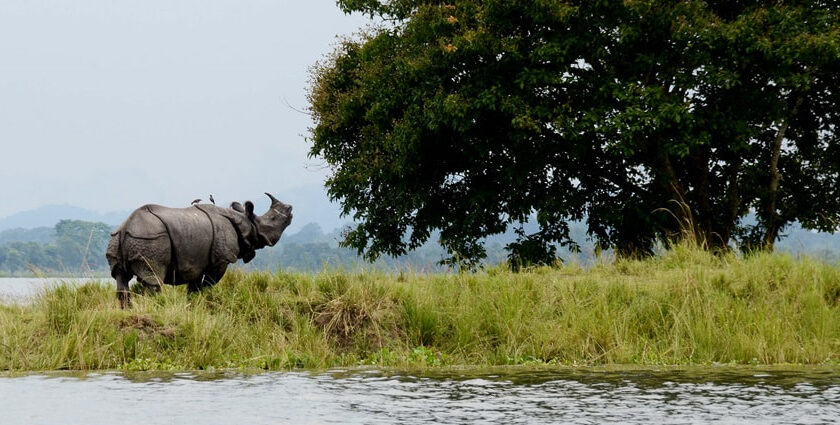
x=684, y=307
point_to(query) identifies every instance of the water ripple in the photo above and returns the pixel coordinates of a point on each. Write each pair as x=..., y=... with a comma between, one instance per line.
x=369, y=396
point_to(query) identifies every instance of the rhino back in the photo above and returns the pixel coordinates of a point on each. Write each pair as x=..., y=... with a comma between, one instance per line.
x=191, y=235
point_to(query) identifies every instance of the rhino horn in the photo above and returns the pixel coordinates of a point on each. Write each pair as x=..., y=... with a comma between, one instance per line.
x=273, y=199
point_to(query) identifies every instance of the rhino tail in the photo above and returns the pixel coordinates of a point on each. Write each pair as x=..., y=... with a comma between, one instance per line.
x=115, y=255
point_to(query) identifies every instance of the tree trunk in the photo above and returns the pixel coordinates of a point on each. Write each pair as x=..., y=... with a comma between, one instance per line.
x=683, y=214
x=733, y=201
x=773, y=222
x=704, y=220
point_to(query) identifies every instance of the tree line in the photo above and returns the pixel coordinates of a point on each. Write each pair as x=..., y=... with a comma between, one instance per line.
x=59, y=250
x=77, y=248
x=62, y=249
x=72, y=247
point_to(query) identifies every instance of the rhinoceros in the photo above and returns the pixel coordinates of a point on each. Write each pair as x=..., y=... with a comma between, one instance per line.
x=191, y=246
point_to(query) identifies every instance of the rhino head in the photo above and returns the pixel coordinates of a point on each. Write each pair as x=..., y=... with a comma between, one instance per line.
x=271, y=224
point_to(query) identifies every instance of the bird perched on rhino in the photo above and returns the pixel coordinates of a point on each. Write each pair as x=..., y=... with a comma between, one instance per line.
x=192, y=245
x=195, y=201
x=212, y=201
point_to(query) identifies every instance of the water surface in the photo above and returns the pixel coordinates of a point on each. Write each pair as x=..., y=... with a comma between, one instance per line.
x=22, y=289
x=372, y=396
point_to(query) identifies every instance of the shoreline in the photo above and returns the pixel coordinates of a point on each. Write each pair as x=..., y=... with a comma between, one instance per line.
x=462, y=372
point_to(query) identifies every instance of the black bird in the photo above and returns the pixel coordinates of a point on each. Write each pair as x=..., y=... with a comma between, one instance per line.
x=195, y=201
x=212, y=200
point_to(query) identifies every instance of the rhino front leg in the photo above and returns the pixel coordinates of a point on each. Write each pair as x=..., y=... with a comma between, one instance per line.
x=147, y=288
x=211, y=277
x=215, y=274
x=193, y=287
x=150, y=275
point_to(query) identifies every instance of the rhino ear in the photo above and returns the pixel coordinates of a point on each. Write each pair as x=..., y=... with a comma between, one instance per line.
x=236, y=206
x=249, y=210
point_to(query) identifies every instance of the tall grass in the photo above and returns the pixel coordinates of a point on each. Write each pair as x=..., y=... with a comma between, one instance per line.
x=682, y=307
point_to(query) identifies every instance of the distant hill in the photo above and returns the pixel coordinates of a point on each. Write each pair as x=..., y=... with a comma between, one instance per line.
x=49, y=215
x=311, y=233
x=822, y=245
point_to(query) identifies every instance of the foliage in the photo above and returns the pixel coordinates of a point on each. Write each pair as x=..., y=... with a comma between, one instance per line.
x=469, y=116
x=683, y=307
x=76, y=247
x=82, y=242
x=38, y=234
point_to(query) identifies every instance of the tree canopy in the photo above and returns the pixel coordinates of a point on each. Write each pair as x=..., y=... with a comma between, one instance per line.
x=641, y=117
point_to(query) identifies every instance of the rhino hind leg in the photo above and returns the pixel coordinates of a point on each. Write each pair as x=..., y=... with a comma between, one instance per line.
x=123, y=295
x=119, y=271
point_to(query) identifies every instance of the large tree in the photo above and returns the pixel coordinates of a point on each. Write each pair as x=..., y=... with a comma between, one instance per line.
x=643, y=117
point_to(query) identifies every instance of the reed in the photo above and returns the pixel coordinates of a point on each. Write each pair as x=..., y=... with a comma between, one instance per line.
x=682, y=307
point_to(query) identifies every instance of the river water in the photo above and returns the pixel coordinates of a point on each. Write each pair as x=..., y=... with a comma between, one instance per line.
x=513, y=395
x=704, y=395
x=21, y=289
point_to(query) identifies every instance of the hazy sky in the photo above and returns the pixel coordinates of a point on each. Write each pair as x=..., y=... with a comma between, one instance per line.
x=110, y=104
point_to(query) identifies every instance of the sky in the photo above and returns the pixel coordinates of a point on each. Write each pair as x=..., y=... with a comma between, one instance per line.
x=112, y=104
